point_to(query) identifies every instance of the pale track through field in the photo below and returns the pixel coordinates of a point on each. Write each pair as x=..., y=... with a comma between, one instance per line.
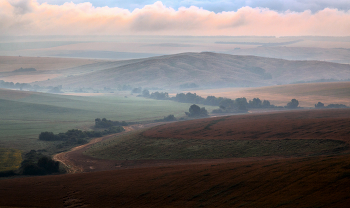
x=76, y=161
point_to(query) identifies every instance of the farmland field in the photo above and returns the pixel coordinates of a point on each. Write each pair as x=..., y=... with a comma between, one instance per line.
x=308, y=165
x=290, y=133
x=298, y=182
x=26, y=114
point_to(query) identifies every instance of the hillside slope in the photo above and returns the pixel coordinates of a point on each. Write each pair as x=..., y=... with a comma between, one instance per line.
x=302, y=182
x=206, y=69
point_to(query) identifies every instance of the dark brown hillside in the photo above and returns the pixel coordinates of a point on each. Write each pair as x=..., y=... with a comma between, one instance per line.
x=207, y=70
x=303, y=182
x=300, y=124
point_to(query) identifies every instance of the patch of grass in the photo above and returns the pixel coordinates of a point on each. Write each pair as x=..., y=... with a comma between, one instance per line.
x=134, y=146
x=26, y=114
x=10, y=159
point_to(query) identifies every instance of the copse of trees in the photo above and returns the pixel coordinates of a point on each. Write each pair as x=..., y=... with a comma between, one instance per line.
x=167, y=118
x=321, y=105
x=196, y=111
x=159, y=95
x=36, y=163
x=294, y=103
x=145, y=93
x=136, y=90
x=104, y=123
x=75, y=136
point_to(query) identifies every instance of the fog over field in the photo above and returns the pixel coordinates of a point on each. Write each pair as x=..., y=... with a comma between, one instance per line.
x=147, y=103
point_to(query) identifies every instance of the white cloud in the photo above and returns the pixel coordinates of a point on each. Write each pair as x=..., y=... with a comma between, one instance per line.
x=31, y=18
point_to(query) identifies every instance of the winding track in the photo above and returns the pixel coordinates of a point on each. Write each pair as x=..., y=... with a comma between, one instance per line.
x=77, y=162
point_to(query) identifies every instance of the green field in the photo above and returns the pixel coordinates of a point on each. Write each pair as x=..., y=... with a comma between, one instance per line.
x=134, y=146
x=10, y=159
x=25, y=114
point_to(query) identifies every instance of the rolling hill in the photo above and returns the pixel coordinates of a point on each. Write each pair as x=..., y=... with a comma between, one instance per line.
x=207, y=70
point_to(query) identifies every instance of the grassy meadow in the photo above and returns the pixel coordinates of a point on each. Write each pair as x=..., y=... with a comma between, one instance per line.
x=25, y=114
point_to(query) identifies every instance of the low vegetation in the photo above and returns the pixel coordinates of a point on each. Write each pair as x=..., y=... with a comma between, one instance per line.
x=321, y=105
x=10, y=159
x=104, y=123
x=35, y=163
x=76, y=136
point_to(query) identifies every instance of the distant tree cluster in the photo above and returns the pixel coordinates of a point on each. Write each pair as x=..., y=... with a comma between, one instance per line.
x=294, y=103
x=136, y=90
x=104, y=123
x=321, y=105
x=167, y=118
x=25, y=86
x=196, y=111
x=75, y=136
x=155, y=95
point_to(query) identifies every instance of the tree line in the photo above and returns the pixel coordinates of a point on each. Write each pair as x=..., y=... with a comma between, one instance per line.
x=104, y=123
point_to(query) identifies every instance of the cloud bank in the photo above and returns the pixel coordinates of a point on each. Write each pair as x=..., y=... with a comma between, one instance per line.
x=222, y=5
x=28, y=17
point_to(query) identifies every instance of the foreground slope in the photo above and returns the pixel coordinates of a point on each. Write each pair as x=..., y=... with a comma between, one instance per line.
x=303, y=182
x=207, y=70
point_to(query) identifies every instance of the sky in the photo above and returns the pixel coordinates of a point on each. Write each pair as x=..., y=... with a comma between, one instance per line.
x=187, y=17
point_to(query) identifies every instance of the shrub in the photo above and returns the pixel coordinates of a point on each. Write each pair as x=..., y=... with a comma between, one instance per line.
x=47, y=136
x=293, y=103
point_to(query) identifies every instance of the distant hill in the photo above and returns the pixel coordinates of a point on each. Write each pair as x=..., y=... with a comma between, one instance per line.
x=24, y=70
x=207, y=70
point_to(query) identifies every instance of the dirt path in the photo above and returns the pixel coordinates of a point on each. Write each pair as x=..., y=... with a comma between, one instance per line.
x=76, y=161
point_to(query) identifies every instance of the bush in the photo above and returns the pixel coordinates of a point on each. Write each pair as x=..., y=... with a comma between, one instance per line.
x=33, y=169
x=47, y=136
x=293, y=104
x=336, y=106
x=319, y=105
x=196, y=111
x=7, y=173
x=38, y=164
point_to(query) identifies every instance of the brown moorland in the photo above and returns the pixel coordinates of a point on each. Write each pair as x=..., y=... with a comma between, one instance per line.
x=299, y=182
x=297, y=124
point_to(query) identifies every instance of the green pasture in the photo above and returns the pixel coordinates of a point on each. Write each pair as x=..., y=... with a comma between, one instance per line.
x=25, y=114
x=134, y=146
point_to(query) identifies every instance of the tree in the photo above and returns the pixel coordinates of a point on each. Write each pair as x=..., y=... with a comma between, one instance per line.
x=266, y=104
x=255, y=103
x=293, y=103
x=241, y=103
x=194, y=110
x=319, y=105
x=145, y=93
x=169, y=118
x=136, y=90
x=47, y=136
